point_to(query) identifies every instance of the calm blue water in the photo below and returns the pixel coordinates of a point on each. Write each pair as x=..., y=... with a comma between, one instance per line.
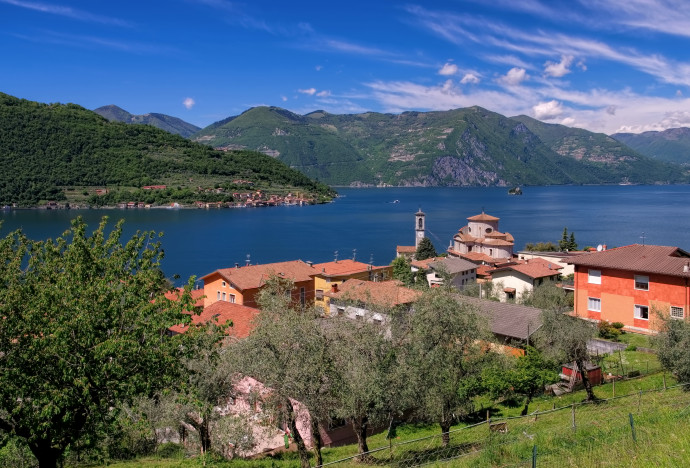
x=197, y=242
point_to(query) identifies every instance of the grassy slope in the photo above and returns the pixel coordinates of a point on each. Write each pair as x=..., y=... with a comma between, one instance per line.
x=602, y=436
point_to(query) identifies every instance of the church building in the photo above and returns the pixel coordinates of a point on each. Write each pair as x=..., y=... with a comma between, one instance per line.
x=481, y=241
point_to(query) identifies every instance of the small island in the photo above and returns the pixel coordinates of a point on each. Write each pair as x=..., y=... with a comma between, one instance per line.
x=515, y=191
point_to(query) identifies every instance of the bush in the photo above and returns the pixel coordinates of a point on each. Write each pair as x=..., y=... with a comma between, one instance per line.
x=631, y=347
x=608, y=331
x=618, y=325
x=170, y=450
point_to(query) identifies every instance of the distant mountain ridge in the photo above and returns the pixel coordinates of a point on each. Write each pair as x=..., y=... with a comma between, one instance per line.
x=164, y=122
x=672, y=145
x=460, y=147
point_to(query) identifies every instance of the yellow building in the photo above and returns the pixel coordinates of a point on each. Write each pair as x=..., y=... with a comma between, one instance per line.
x=334, y=273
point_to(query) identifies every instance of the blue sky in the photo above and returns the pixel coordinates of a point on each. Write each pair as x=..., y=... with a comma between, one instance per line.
x=603, y=65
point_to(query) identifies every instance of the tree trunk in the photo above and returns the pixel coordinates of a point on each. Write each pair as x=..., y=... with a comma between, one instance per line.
x=47, y=456
x=445, y=431
x=360, y=426
x=316, y=440
x=585, y=381
x=204, y=436
x=528, y=400
x=301, y=446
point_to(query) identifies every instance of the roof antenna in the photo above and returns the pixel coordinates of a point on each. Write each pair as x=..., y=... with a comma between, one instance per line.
x=354, y=254
x=371, y=259
x=336, y=256
x=248, y=261
x=643, y=238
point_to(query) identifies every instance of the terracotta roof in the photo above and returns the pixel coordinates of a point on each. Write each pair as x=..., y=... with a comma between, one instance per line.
x=475, y=257
x=506, y=319
x=454, y=265
x=483, y=217
x=406, y=249
x=254, y=276
x=221, y=311
x=386, y=293
x=343, y=267
x=535, y=268
x=483, y=270
x=638, y=258
x=496, y=242
x=424, y=264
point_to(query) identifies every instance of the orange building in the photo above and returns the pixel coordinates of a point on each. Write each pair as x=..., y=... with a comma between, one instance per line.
x=334, y=273
x=240, y=285
x=240, y=317
x=631, y=284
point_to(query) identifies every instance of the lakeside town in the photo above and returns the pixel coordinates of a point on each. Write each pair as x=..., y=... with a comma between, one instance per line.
x=620, y=286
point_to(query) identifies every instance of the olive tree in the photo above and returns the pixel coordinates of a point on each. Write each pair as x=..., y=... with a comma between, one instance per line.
x=83, y=330
x=444, y=357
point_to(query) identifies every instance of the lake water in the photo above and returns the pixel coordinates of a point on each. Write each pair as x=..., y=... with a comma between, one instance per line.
x=196, y=242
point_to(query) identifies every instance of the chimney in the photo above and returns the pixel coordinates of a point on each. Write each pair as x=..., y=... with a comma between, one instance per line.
x=334, y=288
x=603, y=247
x=237, y=265
x=310, y=263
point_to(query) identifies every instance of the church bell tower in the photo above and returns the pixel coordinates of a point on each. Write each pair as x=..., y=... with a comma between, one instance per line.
x=419, y=227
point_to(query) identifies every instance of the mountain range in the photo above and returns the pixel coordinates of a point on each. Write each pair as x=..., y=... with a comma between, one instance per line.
x=58, y=151
x=162, y=121
x=470, y=146
x=672, y=145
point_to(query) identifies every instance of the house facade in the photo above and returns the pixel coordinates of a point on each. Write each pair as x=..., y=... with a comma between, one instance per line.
x=241, y=285
x=481, y=238
x=632, y=284
x=334, y=273
x=458, y=270
x=518, y=278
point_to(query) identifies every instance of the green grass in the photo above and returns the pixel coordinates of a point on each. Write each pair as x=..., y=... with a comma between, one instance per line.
x=602, y=435
x=636, y=339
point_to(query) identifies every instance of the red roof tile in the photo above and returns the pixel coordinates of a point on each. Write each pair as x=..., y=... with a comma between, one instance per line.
x=406, y=249
x=483, y=217
x=254, y=276
x=535, y=268
x=222, y=312
x=343, y=268
x=639, y=258
x=197, y=296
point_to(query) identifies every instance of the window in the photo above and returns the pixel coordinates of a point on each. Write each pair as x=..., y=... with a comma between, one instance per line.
x=488, y=230
x=218, y=295
x=223, y=283
x=677, y=312
x=302, y=296
x=223, y=295
x=594, y=277
x=491, y=252
x=641, y=312
x=642, y=282
x=340, y=311
x=232, y=298
x=594, y=304
x=319, y=293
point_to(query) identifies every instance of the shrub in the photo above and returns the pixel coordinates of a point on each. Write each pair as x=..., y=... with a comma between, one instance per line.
x=170, y=450
x=631, y=347
x=618, y=325
x=608, y=331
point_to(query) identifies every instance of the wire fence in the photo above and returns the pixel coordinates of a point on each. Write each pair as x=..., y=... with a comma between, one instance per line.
x=562, y=436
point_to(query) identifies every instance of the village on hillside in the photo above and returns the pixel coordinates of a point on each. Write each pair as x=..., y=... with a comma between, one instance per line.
x=620, y=286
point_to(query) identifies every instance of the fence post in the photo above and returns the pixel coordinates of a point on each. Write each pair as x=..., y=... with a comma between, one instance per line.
x=664, y=380
x=614, y=386
x=632, y=428
x=534, y=456
x=573, y=417
x=639, y=400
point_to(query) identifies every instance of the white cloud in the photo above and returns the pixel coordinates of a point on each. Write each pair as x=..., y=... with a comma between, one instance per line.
x=547, y=110
x=67, y=11
x=470, y=78
x=188, y=103
x=324, y=93
x=568, y=122
x=448, y=69
x=611, y=110
x=559, y=69
x=514, y=77
x=309, y=91
x=284, y=98
x=318, y=67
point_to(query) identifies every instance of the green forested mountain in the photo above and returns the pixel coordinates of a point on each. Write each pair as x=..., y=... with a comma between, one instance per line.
x=470, y=146
x=162, y=121
x=47, y=148
x=672, y=145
